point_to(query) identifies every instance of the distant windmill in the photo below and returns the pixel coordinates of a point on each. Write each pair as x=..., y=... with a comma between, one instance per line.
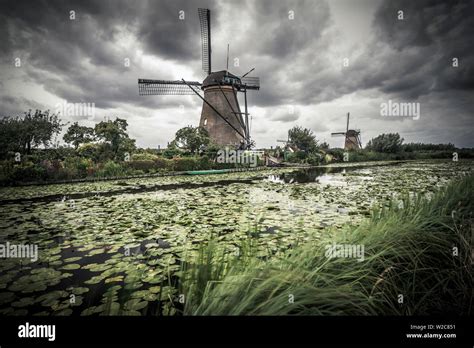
x=221, y=115
x=353, y=141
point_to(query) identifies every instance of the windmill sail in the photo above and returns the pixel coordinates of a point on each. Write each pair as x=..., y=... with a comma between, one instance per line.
x=205, y=21
x=251, y=82
x=165, y=87
x=221, y=115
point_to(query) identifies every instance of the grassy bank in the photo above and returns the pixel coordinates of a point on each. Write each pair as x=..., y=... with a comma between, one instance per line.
x=408, y=252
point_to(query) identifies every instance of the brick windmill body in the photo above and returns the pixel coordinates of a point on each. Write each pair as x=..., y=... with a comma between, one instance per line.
x=221, y=115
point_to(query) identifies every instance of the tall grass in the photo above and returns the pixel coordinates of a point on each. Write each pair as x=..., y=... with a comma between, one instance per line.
x=410, y=267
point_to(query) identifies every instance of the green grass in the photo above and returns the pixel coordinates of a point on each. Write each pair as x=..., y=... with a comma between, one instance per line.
x=408, y=251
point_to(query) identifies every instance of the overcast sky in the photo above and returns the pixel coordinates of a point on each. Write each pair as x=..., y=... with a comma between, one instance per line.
x=299, y=50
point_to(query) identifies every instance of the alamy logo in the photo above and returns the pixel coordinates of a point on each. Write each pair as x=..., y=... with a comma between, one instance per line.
x=396, y=109
x=76, y=109
x=345, y=251
x=237, y=156
x=37, y=331
x=21, y=251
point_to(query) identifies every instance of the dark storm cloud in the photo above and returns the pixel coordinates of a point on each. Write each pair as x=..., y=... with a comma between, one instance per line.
x=299, y=60
x=406, y=58
x=437, y=31
x=79, y=60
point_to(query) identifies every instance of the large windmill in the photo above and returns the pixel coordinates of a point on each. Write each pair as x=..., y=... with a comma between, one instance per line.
x=221, y=115
x=352, y=136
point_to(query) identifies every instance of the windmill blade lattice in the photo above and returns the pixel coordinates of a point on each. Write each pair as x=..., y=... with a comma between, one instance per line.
x=251, y=82
x=165, y=87
x=205, y=22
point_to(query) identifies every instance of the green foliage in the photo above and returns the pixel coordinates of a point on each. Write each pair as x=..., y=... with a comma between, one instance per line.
x=184, y=163
x=163, y=163
x=114, y=134
x=324, y=146
x=192, y=139
x=145, y=166
x=27, y=172
x=145, y=156
x=21, y=134
x=78, y=167
x=110, y=168
x=303, y=139
x=420, y=147
x=386, y=143
x=90, y=150
x=171, y=152
x=78, y=135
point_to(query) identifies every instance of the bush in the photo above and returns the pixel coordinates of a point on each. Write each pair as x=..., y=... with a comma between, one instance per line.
x=143, y=165
x=28, y=172
x=144, y=157
x=78, y=167
x=110, y=168
x=89, y=150
x=388, y=143
x=171, y=153
x=184, y=163
x=163, y=164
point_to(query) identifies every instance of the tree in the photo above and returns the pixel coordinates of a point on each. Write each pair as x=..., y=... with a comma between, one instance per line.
x=31, y=130
x=388, y=143
x=324, y=146
x=78, y=135
x=114, y=133
x=192, y=139
x=303, y=139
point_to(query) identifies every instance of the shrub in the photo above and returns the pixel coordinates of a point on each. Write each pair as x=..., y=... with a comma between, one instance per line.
x=28, y=172
x=78, y=167
x=143, y=165
x=163, y=164
x=184, y=163
x=110, y=168
x=144, y=157
x=172, y=152
x=388, y=143
x=89, y=150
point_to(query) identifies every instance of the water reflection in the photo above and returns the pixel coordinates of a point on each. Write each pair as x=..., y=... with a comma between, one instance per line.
x=307, y=175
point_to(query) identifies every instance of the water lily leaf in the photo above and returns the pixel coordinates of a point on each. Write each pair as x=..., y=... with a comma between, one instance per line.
x=24, y=302
x=72, y=259
x=114, y=279
x=96, y=252
x=79, y=291
x=71, y=266
x=135, y=305
x=94, y=280
x=154, y=289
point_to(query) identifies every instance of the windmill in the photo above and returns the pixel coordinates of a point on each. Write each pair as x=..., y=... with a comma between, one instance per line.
x=221, y=115
x=353, y=141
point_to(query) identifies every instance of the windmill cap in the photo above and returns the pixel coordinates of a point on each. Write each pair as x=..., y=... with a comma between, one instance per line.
x=220, y=77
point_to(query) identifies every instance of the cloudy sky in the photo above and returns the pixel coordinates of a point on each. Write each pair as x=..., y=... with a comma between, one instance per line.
x=317, y=60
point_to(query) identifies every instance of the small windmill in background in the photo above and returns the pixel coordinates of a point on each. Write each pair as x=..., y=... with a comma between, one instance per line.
x=221, y=115
x=353, y=141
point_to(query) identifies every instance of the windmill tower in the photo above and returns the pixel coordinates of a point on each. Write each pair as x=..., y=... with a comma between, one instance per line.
x=221, y=115
x=352, y=136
